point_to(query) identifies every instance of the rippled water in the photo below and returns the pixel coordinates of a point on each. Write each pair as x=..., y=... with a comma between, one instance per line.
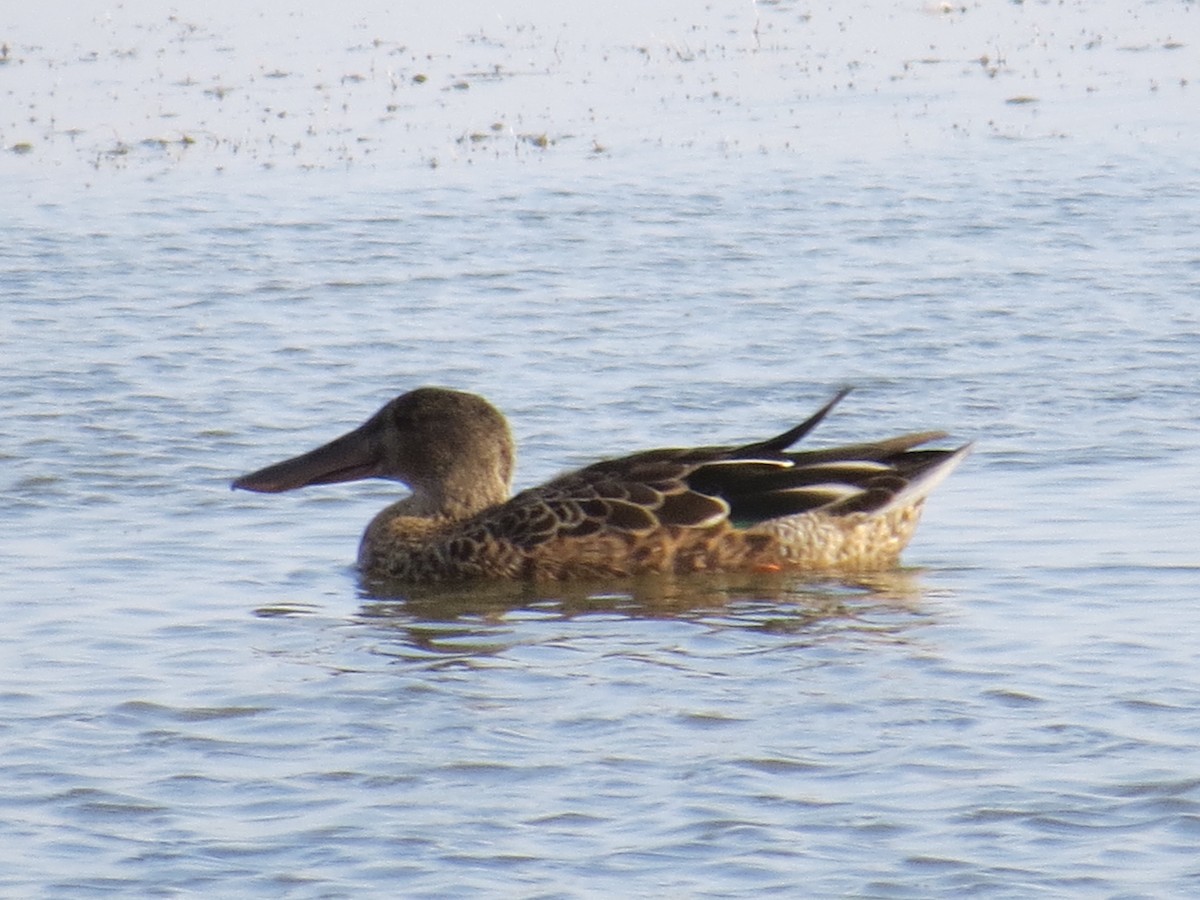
x=197, y=696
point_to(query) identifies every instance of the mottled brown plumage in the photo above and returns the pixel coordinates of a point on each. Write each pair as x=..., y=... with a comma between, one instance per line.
x=757, y=507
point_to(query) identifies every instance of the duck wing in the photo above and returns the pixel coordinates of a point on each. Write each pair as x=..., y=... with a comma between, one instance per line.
x=870, y=478
x=634, y=495
x=742, y=485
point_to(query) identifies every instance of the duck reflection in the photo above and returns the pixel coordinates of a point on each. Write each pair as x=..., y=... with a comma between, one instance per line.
x=488, y=618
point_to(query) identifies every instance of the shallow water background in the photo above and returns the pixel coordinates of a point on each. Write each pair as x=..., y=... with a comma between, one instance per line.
x=229, y=237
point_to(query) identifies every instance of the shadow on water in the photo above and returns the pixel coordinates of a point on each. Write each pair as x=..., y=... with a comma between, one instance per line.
x=480, y=619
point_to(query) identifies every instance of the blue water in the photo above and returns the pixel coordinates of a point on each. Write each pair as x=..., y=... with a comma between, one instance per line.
x=196, y=696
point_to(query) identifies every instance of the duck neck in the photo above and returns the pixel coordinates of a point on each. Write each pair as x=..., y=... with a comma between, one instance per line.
x=453, y=499
x=464, y=485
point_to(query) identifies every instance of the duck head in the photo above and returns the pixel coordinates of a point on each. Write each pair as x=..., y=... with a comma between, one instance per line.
x=454, y=450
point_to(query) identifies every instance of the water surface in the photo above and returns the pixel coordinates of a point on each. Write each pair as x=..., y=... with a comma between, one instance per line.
x=197, y=693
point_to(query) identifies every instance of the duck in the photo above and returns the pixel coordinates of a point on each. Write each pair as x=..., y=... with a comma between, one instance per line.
x=741, y=508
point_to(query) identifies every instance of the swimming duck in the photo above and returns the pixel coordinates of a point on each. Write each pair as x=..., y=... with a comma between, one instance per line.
x=756, y=507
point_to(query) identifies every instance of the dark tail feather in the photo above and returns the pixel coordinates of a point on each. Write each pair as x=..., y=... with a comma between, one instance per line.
x=783, y=441
x=886, y=450
x=929, y=470
x=839, y=484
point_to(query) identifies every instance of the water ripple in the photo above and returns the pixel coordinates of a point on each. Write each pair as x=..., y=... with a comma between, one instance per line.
x=199, y=696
